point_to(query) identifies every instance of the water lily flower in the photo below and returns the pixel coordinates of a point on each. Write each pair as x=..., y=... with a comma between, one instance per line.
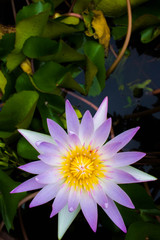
x=79, y=169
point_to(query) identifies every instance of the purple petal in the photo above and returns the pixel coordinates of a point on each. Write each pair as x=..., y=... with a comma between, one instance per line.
x=72, y=119
x=47, y=148
x=45, y=195
x=100, y=197
x=48, y=177
x=73, y=200
x=57, y=132
x=138, y=175
x=33, y=137
x=74, y=140
x=102, y=133
x=86, y=128
x=101, y=114
x=124, y=137
x=50, y=159
x=114, y=214
x=60, y=201
x=35, y=167
x=109, y=150
x=125, y=158
x=28, y=185
x=120, y=177
x=117, y=194
x=89, y=209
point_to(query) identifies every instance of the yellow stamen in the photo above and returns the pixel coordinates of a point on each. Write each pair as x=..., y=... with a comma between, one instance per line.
x=82, y=168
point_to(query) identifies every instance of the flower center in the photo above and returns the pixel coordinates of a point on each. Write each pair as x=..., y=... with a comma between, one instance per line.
x=82, y=168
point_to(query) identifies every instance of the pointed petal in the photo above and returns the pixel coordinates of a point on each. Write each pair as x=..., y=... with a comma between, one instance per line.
x=33, y=137
x=100, y=197
x=48, y=177
x=72, y=119
x=52, y=160
x=28, y=185
x=109, y=150
x=114, y=214
x=125, y=158
x=74, y=140
x=120, y=177
x=101, y=114
x=47, y=193
x=35, y=167
x=124, y=137
x=89, y=209
x=65, y=218
x=139, y=175
x=102, y=133
x=73, y=200
x=86, y=128
x=117, y=194
x=57, y=132
x=48, y=148
x=60, y=201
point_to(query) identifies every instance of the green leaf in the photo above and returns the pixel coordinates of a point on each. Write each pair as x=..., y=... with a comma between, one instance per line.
x=142, y=17
x=95, y=52
x=18, y=111
x=23, y=83
x=68, y=82
x=47, y=76
x=36, y=47
x=6, y=44
x=31, y=21
x=143, y=231
x=14, y=59
x=46, y=50
x=3, y=82
x=117, y=7
x=25, y=149
x=90, y=73
x=31, y=10
x=64, y=54
x=47, y=106
x=57, y=29
x=150, y=34
x=141, y=199
x=8, y=202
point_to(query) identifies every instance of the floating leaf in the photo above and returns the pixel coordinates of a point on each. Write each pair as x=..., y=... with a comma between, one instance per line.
x=102, y=31
x=3, y=82
x=117, y=7
x=57, y=29
x=31, y=21
x=150, y=34
x=47, y=76
x=18, y=111
x=95, y=52
x=46, y=50
x=23, y=83
x=143, y=230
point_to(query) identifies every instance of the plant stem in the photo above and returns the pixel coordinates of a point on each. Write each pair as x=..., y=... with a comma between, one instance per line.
x=13, y=9
x=126, y=42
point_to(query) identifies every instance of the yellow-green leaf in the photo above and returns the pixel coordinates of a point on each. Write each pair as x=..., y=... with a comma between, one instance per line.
x=102, y=31
x=3, y=82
